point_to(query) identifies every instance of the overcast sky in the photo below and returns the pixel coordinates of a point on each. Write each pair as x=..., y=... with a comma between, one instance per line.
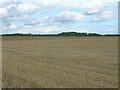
x=55, y=16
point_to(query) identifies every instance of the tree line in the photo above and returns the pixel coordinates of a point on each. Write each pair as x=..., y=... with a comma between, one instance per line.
x=61, y=34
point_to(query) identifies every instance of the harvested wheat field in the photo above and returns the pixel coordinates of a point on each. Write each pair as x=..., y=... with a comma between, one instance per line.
x=60, y=62
x=0, y=62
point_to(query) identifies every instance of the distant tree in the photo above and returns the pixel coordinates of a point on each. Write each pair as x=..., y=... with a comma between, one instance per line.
x=93, y=34
x=61, y=34
x=72, y=34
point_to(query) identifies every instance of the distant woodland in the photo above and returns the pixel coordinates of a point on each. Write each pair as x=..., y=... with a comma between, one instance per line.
x=61, y=34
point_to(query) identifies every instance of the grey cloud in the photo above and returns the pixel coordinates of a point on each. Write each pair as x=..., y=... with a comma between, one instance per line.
x=5, y=22
x=95, y=7
x=68, y=17
x=105, y=15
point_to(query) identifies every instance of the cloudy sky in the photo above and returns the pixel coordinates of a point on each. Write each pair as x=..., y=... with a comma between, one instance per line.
x=55, y=16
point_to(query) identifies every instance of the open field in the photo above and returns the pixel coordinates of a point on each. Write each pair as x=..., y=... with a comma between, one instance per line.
x=60, y=62
x=0, y=62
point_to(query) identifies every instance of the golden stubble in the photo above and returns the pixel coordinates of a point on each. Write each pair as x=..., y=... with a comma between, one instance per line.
x=58, y=62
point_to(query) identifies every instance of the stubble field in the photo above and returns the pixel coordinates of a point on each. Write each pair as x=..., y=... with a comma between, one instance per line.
x=60, y=62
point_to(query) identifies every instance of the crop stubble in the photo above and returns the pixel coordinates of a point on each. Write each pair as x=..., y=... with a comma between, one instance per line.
x=60, y=62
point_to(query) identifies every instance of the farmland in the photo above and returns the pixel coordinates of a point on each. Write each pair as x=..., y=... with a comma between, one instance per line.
x=0, y=62
x=60, y=62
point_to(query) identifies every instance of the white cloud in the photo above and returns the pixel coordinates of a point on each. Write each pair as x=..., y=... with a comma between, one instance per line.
x=41, y=21
x=10, y=6
x=27, y=26
x=3, y=12
x=91, y=7
x=43, y=6
x=12, y=26
x=62, y=17
x=107, y=14
x=19, y=9
x=41, y=24
x=13, y=18
x=67, y=16
x=38, y=29
x=27, y=7
x=110, y=1
x=24, y=11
